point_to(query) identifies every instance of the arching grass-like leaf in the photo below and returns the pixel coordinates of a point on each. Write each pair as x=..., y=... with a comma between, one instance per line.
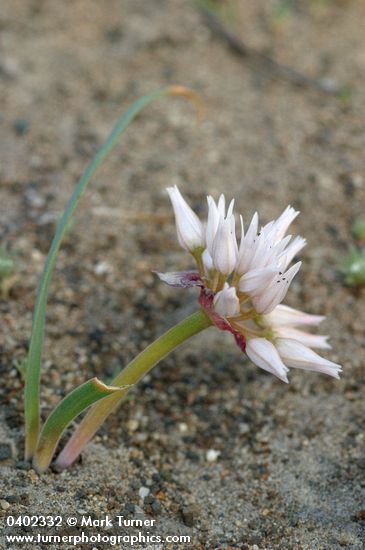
x=67, y=410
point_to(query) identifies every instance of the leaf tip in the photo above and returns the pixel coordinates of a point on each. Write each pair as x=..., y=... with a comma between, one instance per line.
x=188, y=93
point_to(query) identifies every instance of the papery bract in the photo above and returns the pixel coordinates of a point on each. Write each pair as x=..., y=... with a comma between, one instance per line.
x=182, y=279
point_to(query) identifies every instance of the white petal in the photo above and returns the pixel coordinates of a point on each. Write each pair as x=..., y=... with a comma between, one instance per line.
x=297, y=355
x=262, y=254
x=224, y=249
x=288, y=316
x=242, y=229
x=268, y=255
x=311, y=340
x=282, y=223
x=213, y=221
x=280, y=246
x=292, y=250
x=207, y=260
x=226, y=303
x=230, y=209
x=275, y=251
x=264, y=354
x=276, y=291
x=188, y=226
x=247, y=249
x=256, y=279
x=252, y=229
x=222, y=206
x=267, y=230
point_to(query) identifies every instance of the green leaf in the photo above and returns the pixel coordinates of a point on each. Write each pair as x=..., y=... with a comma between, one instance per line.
x=66, y=411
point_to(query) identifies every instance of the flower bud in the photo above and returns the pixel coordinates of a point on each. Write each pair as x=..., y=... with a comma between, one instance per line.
x=224, y=249
x=189, y=228
x=226, y=303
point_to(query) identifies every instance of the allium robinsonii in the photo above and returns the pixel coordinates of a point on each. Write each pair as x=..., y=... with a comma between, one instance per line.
x=242, y=286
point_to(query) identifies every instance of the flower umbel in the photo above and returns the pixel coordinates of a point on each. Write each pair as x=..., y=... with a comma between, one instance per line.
x=242, y=286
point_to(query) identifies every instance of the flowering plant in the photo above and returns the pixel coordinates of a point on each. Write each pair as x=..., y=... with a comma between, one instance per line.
x=241, y=289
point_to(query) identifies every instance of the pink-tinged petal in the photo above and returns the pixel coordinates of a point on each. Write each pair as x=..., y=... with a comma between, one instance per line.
x=311, y=340
x=297, y=355
x=264, y=354
x=188, y=226
x=181, y=279
x=257, y=279
x=276, y=291
x=288, y=316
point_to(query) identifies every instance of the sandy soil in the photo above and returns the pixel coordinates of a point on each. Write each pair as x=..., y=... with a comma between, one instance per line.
x=290, y=473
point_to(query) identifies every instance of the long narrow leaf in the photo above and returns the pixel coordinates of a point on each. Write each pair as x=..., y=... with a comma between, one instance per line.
x=32, y=383
x=66, y=411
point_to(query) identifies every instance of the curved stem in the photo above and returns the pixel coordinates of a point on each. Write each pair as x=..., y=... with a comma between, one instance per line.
x=130, y=375
x=32, y=381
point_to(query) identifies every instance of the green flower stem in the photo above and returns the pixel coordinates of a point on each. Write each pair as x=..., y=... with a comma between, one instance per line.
x=130, y=375
x=32, y=382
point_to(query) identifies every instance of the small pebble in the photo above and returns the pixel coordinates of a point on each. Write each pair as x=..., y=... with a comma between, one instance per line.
x=5, y=451
x=21, y=126
x=189, y=514
x=22, y=465
x=244, y=428
x=129, y=508
x=4, y=504
x=102, y=268
x=156, y=507
x=13, y=499
x=360, y=515
x=144, y=492
x=34, y=198
x=133, y=425
x=212, y=455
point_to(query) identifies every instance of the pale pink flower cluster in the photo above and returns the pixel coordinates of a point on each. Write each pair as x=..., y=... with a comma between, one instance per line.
x=247, y=283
